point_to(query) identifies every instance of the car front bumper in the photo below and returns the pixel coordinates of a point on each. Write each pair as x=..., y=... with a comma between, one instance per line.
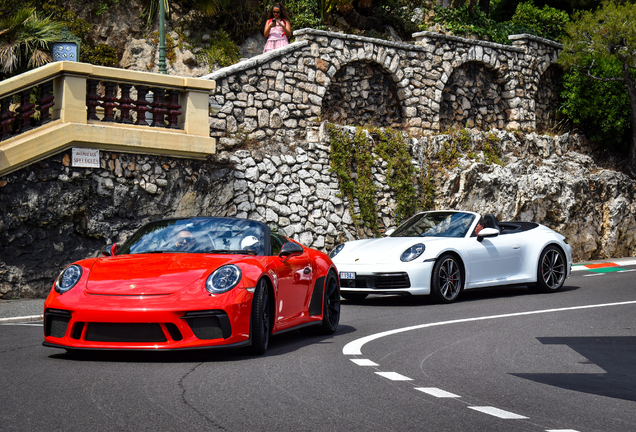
x=404, y=279
x=84, y=321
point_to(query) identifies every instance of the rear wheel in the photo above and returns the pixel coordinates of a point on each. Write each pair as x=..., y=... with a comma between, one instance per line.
x=447, y=280
x=551, y=270
x=354, y=297
x=260, y=322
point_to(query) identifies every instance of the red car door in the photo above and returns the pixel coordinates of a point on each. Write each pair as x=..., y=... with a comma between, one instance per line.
x=295, y=275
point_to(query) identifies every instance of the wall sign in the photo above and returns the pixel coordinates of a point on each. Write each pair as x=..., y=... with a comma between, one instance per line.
x=67, y=47
x=84, y=157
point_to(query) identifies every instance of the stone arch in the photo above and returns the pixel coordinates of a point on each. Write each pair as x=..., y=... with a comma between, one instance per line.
x=361, y=93
x=547, y=98
x=472, y=97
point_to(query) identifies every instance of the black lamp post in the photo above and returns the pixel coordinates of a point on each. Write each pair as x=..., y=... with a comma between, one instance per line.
x=162, y=38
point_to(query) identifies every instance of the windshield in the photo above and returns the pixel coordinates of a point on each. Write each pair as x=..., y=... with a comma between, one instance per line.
x=198, y=235
x=435, y=224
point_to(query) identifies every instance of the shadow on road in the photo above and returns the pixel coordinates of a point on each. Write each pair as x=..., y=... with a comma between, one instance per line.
x=615, y=355
x=278, y=345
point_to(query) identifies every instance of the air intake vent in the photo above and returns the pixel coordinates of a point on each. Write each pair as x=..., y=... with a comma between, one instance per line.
x=209, y=324
x=56, y=323
x=124, y=332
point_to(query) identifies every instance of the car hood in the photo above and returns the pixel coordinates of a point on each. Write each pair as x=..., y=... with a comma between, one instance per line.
x=380, y=250
x=150, y=274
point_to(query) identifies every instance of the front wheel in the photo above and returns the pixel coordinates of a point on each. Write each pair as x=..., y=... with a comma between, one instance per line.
x=447, y=280
x=551, y=270
x=260, y=319
x=331, y=306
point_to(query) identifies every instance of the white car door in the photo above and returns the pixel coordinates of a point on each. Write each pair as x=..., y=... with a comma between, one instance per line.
x=494, y=258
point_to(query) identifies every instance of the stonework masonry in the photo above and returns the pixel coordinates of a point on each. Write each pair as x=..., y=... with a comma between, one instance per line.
x=278, y=93
x=52, y=214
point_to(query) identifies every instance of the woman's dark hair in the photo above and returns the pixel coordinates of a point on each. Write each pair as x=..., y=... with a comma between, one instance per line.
x=283, y=12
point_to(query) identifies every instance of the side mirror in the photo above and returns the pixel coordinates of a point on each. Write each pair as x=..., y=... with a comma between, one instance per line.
x=289, y=249
x=487, y=232
x=389, y=232
x=109, y=250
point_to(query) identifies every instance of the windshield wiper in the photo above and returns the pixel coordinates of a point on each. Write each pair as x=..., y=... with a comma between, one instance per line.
x=228, y=251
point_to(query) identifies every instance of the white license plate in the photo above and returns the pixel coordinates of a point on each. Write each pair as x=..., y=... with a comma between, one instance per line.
x=347, y=275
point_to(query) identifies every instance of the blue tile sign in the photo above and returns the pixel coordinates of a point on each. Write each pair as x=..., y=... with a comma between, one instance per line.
x=65, y=51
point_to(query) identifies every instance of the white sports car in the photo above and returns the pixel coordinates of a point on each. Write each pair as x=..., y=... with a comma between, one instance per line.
x=445, y=252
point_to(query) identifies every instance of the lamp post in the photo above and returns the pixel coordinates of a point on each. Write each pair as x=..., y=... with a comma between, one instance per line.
x=162, y=39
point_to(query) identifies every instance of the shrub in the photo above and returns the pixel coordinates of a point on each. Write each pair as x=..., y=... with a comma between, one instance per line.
x=547, y=22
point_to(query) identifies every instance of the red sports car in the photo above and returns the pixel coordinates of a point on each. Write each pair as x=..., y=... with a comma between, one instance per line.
x=193, y=283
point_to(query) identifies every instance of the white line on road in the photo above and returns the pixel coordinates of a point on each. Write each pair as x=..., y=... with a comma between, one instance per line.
x=433, y=391
x=561, y=430
x=497, y=412
x=394, y=376
x=22, y=318
x=23, y=324
x=355, y=347
x=364, y=362
x=594, y=274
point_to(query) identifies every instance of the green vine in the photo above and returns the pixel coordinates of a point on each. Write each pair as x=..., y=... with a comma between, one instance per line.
x=490, y=147
x=352, y=159
x=453, y=148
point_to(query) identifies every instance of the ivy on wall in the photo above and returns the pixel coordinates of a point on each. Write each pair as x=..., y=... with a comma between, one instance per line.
x=352, y=159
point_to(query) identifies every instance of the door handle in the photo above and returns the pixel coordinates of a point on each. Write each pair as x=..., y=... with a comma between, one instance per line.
x=307, y=270
x=516, y=246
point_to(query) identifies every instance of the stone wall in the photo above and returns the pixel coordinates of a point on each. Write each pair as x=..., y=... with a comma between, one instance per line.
x=52, y=214
x=278, y=93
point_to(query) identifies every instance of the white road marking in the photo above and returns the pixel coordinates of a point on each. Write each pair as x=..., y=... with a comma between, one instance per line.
x=437, y=392
x=625, y=271
x=497, y=412
x=394, y=376
x=364, y=362
x=23, y=324
x=561, y=430
x=594, y=274
x=22, y=318
x=355, y=347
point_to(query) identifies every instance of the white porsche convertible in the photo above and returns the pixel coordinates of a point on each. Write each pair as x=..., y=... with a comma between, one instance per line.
x=443, y=253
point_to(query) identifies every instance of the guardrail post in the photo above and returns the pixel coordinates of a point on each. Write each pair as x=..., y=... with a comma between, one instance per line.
x=70, y=98
x=195, y=118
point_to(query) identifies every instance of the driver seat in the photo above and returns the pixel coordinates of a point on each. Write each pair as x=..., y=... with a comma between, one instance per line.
x=491, y=222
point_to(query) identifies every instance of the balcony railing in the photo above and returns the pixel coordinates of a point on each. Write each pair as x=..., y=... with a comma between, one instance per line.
x=68, y=93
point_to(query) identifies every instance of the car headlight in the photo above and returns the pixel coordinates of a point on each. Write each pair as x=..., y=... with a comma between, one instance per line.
x=223, y=279
x=413, y=252
x=68, y=278
x=336, y=250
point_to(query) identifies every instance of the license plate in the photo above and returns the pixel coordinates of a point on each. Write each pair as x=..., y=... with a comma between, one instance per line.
x=347, y=275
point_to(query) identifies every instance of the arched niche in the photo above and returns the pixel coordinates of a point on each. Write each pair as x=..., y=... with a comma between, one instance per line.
x=548, y=98
x=472, y=97
x=362, y=94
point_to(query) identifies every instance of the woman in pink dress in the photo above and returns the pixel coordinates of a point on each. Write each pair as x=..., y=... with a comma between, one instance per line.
x=277, y=28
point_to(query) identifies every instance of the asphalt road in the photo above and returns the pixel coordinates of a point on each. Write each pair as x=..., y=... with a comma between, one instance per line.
x=497, y=360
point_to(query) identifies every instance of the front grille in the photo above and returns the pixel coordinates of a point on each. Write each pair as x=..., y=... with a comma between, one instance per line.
x=56, y=323
x=124, y=332
x=379, y=281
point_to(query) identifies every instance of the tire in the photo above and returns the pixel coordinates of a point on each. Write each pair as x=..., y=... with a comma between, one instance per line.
x=330, y=305
x=447, y=280
x=551, y=270
x=354, y=297
x=260, y=327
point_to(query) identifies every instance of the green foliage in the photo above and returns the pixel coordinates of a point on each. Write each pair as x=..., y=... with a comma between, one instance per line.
x=305, y=13
x=547, y=22
x=453, y=148
x=602, y=45
x=600, y=110
x=24, y=40
x=400, y=171
x=100, y=54
x=490, y=147
x=102, y=6
x=352, y=159
x=223, y=50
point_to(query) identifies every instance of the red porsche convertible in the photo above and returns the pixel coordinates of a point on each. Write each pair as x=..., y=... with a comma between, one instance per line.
x=193, y=283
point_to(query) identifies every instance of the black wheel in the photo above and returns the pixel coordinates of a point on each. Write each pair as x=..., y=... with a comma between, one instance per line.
x=354, y=297
x=261, y=321
x=331, y=305
x=551, y=270
x=447, y=280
